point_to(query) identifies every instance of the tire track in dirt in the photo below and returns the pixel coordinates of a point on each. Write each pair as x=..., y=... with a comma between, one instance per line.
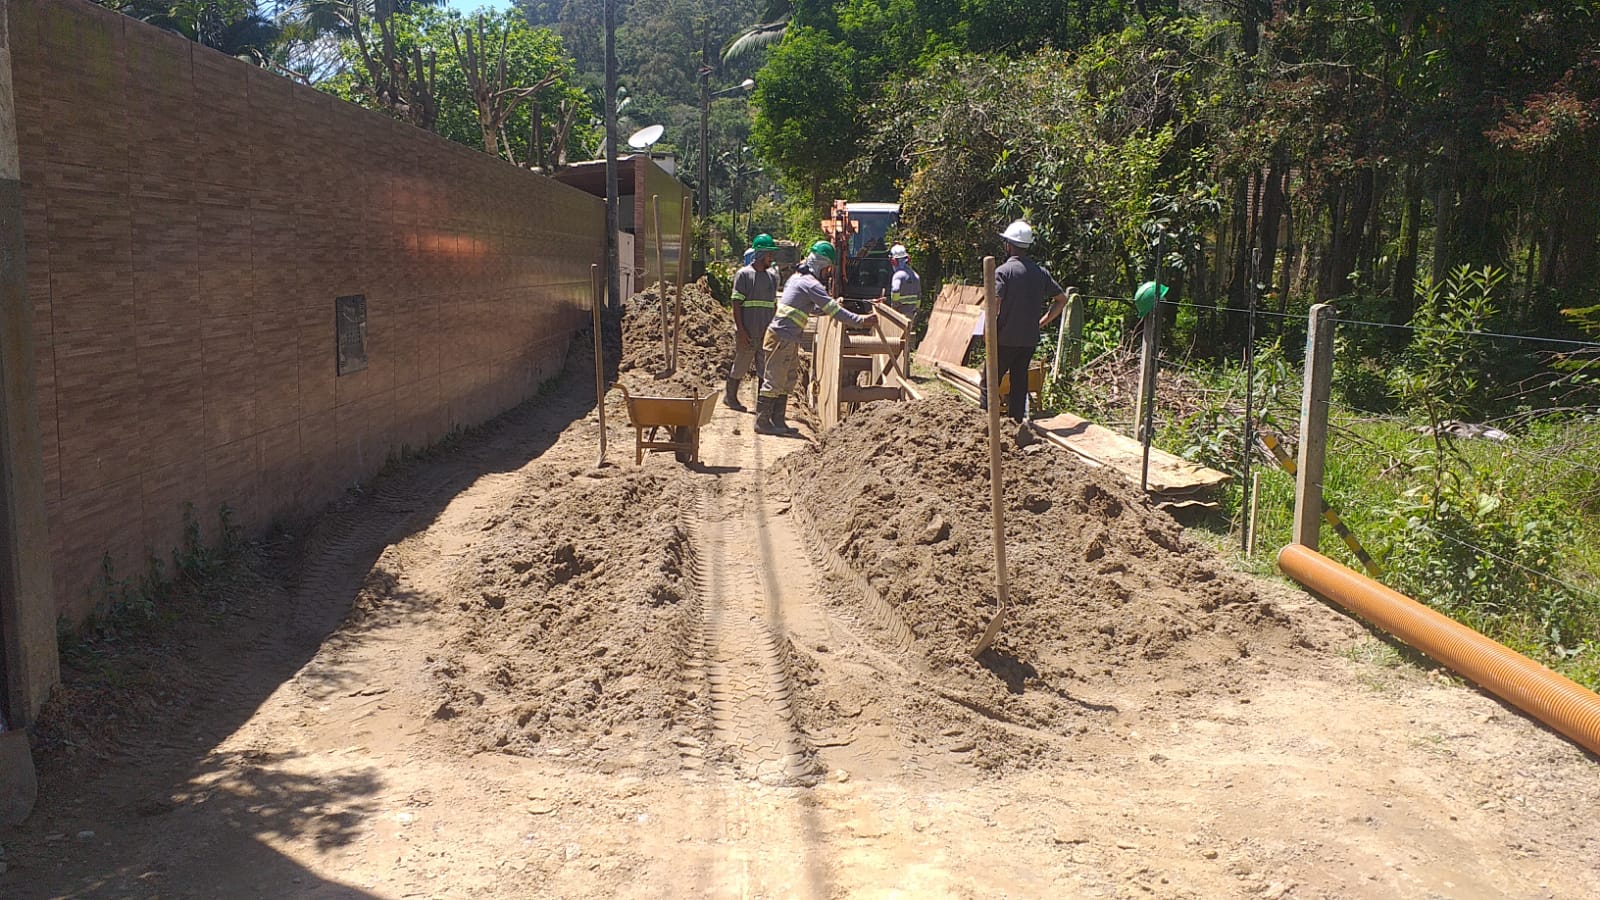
x=759, y=763
x=743, y=657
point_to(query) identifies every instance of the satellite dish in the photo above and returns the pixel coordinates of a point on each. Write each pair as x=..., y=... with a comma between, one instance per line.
x=646, y=136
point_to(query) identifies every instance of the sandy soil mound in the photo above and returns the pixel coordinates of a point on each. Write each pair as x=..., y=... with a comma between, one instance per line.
x=575, y=630
x=705, y=344
x=576, y=616
x=1111, y=605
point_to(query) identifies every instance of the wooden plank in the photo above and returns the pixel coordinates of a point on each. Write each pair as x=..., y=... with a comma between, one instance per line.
x=853, y=394
x=909, y=389
x=867, y=345
x=1168, y=473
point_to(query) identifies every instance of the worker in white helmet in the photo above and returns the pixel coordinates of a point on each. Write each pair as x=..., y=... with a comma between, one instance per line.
x=905, y=286
x=1021, y=288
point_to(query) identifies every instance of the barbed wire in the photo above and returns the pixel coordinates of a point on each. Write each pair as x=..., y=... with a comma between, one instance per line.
x=1510, y=562
x=1233, y=310
x=1470, y=333
x=1592, y=345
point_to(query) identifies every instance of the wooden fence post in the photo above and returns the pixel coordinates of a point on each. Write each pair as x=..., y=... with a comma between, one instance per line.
x=685, y=243
x=599, y=363
x=997, y=492
x=661, y=280
x=1314, y=426
x=1074, y=331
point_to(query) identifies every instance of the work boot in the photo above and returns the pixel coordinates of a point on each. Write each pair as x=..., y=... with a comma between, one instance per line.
x=764, y=416
x=1025, y=435
x=780, y=405
x=730, y=397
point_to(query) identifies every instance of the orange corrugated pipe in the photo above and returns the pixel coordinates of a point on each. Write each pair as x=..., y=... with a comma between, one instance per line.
x=1556, y=701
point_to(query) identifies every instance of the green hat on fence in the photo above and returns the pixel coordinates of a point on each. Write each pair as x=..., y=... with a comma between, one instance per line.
x=1144, y=299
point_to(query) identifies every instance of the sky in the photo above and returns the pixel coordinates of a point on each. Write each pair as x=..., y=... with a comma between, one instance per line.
x=469, y=6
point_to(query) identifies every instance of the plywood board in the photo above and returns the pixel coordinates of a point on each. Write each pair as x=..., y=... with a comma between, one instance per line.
x=955, y=315
x=1169, y=474
x=830, y=334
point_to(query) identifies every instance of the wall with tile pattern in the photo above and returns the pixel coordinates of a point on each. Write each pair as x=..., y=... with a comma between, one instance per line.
x=189, y=221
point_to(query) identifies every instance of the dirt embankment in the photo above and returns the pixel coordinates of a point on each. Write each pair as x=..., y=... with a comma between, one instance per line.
x=1111, y=604
x=572, y=631
x=573, y=614
x=705, y=343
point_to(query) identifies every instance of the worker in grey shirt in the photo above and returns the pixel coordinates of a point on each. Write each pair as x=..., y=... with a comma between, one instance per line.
x=905, y=286
x=1021, y=288
x=755, y=295
x=804, y=295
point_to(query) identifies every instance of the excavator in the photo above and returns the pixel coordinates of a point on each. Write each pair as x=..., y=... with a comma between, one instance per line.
x=859, y=230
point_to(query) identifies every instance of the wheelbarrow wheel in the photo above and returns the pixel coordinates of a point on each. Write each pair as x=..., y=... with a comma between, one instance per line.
x=680, y=434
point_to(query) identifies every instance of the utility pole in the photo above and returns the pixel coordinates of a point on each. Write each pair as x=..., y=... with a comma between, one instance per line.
x=613, y=277
x=704, y=187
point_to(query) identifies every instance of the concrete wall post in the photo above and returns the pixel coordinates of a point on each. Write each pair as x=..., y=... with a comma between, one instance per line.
x=1314, y=427
x=27, y=603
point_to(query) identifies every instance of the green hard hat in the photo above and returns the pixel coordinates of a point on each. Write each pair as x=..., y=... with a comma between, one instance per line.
x=764, y=242
x=1144, y=299
x=826, y=251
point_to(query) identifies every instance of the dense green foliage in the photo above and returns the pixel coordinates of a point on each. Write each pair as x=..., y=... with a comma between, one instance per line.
x=1312, y=148
x=559, y=114
x=1500, y=533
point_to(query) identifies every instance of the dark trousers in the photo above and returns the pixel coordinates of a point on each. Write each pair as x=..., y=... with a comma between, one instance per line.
x=1013, y=361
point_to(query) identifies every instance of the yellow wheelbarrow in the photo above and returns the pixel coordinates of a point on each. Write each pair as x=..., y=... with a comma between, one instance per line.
x=683, y=417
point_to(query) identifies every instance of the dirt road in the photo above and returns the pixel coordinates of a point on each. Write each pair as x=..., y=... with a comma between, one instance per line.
x=506, y=673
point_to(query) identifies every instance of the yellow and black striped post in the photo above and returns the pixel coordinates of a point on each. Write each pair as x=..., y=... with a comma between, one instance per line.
x=1329, y=514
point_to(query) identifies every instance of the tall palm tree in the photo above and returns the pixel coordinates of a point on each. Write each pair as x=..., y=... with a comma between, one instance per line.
x=770, y=30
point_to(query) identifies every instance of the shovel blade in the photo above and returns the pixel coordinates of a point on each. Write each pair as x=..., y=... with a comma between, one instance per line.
x=19, y=784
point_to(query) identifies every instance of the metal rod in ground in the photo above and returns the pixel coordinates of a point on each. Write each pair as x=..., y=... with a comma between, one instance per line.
x=684, y=241
x=1152, y=351
x=599, y=363
x=997, y=494
x=1249, y=440
x=1250, y=523
x=661, y=278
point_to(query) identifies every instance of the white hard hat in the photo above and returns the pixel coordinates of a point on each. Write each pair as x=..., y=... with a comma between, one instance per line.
x=898, y=251
x=1019, y=233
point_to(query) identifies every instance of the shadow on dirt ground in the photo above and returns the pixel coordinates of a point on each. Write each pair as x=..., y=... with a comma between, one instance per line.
x=145, y=705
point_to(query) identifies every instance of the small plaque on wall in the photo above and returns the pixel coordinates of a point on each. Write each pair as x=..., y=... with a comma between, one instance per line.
x=350, y=315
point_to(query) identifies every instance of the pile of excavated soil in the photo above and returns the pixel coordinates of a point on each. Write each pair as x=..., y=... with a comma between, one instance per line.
x=1111, y=606
x=705, y=343
x=577, y=621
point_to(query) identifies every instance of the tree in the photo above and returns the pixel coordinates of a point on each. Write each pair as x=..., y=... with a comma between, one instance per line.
x=485, y=68
x=238, y=28
x=808, y=120
x=495, y=82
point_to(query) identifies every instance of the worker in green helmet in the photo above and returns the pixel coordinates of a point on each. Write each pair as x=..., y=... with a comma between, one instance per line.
x=755, y=295
x=804, y=295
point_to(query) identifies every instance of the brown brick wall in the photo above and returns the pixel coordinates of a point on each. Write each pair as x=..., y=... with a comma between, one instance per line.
x=189, y=221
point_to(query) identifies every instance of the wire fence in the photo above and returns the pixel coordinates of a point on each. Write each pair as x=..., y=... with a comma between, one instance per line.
x=1493, y=517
